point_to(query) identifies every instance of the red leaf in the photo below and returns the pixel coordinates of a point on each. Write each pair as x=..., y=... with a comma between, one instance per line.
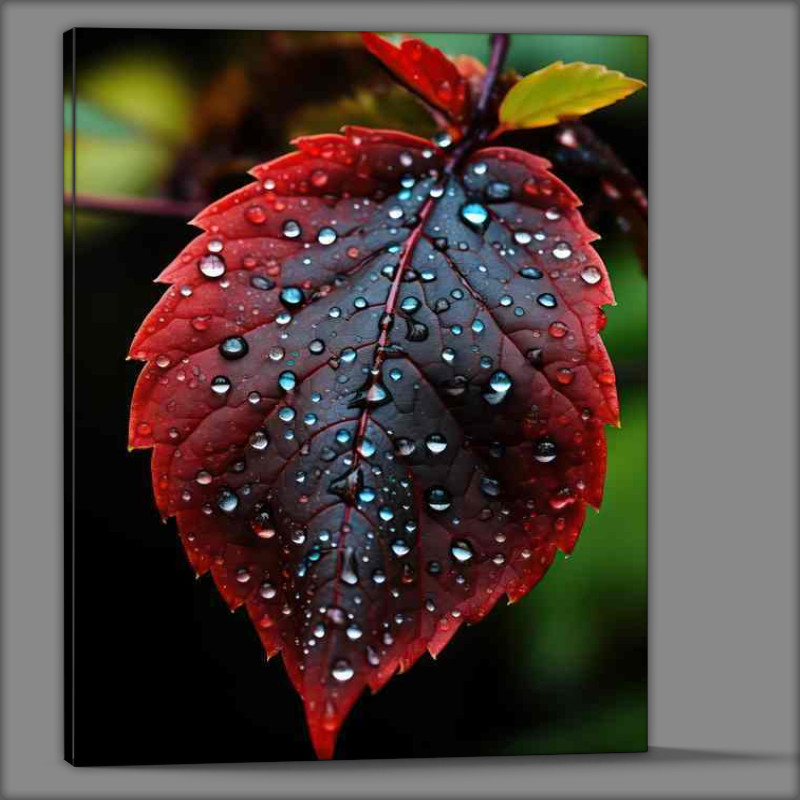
x=375, y=393
x=426, y=71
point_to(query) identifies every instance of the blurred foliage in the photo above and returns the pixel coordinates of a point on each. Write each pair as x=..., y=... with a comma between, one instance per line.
x=262, y=89
x=625, y=334
x=143, y=89
x=132, y=113
x=183, y=125
x=619, y=726
x=394, y=108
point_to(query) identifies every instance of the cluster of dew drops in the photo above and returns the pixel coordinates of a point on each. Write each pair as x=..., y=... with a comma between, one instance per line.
x=476, y=214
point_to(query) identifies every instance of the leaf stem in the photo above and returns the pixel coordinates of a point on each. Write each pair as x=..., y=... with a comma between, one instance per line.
x=477, y=130
x=146, y=206
x=500, y=43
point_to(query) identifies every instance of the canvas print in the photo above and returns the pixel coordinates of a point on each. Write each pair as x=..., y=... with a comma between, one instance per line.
x=356, y=349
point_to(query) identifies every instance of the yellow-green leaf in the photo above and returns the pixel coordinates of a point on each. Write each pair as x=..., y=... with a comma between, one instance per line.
x=563, y=91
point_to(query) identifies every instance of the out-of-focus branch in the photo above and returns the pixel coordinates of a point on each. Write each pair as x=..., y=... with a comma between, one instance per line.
x=146, y=206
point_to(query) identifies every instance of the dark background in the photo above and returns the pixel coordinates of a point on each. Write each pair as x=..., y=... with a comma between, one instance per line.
x=162, y=672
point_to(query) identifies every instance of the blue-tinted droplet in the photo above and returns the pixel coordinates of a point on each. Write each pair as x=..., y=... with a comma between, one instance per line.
x=233, y=347
x=461, y=550
x=292, y=296
x=291, y=230
x=326, y=236
x=438, y=498
x=287, y=381
x=475, y=215
x=547, y=300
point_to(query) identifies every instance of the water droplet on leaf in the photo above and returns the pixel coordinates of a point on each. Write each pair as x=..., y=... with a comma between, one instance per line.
x=220, y=385
x=292, y=297
x=547, y=300
x=475, y=215
x=227, y=501
x=461, y=550
x=212, y=266
x=591, y=275
x=233, y=348
x=326, y=236
x=342, y=671
x=291, y=229
x=438, y=498
x=436, y=443
x=545, y=451
x=562, y=250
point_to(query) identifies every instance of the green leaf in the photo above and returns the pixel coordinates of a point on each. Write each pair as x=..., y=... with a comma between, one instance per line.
x=563, y=91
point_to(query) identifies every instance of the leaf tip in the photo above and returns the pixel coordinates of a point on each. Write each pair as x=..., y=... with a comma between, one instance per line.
x=324, y=734
x=197, y=219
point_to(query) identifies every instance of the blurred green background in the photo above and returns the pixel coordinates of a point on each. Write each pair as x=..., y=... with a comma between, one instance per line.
x=182, y=115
